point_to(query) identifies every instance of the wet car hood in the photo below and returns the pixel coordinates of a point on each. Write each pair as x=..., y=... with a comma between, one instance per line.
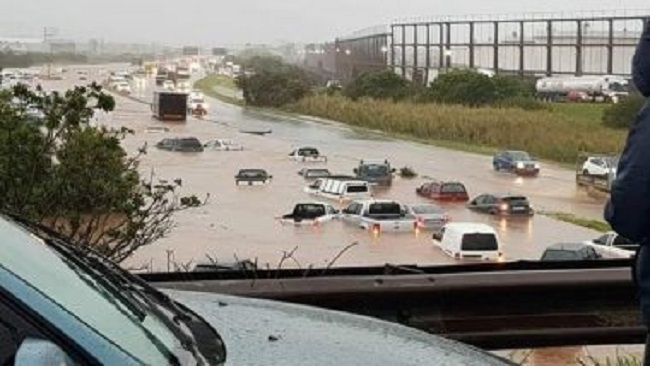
x=262, y=332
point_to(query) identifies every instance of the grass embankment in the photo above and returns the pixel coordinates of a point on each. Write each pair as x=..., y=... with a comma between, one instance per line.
x=596, y=225
x=209, y=84
x=558, y=134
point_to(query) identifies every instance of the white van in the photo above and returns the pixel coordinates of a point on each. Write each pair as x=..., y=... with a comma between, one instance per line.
x=461, y=240
x=340, y=189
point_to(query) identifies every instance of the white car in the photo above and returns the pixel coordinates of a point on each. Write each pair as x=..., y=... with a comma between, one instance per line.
x=183, y=87
x=223, y=145
x=307, y=154
x=194, y=103
x=123, y=87
x=473, y=241
x=168, y=85
x=197, y=94
x=600, y=166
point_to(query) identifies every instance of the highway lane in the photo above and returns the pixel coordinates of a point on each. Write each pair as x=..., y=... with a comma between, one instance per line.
x=242, y=221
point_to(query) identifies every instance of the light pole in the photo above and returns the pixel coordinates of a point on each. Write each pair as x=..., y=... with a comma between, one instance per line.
x=47, y=33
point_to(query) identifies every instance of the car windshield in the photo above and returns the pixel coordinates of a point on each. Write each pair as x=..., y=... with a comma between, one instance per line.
x=516, y=201
x=453, y=188
x=561, y=255
x=426, y=209
x=520, y=156
x=509, y=114
x=252, y=173
x=79, y=292
x=375, y=170
x=189, y=142
x=385, y=208
x=479, y=242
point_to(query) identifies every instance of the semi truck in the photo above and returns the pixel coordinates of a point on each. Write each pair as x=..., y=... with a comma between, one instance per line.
x=582, y=89
x=169, y=106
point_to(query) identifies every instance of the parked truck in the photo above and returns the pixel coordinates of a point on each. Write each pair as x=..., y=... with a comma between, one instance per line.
x=375, y=172
x=582, y=89
x=169, y=106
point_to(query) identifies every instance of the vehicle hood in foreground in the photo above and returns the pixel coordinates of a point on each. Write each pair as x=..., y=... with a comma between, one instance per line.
x=262, y=332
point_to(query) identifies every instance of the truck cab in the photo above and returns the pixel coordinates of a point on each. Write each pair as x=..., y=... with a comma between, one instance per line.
x=379, y=216
x=375, y=172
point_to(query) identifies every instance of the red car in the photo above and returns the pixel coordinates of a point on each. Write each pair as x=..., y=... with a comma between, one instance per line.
x=443, y=191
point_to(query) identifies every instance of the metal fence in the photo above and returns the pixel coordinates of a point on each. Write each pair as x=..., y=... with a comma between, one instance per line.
x=534, y=44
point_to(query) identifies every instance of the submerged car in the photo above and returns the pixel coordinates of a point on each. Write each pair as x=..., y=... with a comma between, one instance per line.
x=252, y=176
x=310, y=213
x=156, y=129
x=186, y=144
x=518, y=162
x=443, y=191
x=62, y=305
x=223, y=145
x=428, y=216
x=307, y=154
x=310, y=173
x=570, y=252
x=502, y=204
x=600, y=166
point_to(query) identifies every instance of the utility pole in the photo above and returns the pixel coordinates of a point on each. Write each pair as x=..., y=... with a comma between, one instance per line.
x=47, y=33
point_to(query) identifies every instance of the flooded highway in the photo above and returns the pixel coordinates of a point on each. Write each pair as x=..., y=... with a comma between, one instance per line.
x=242, y=222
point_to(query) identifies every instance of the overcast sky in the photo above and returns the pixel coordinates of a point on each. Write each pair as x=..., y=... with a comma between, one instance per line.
x=222, y=22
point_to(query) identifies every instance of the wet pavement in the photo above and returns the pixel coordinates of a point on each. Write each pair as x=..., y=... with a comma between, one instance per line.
x=242, y=221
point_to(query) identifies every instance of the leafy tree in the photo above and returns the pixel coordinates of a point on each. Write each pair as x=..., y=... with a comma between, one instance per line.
x=378, y=85
x=624, y=113
x=59, y=169
x=272, y=83
x=463, y=87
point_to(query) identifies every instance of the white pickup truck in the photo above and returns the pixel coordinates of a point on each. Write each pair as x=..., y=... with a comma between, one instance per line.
x=611, y=245
x=379, y=216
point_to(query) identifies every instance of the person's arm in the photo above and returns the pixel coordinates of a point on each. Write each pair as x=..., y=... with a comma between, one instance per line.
x=641, y=63
x=628, y=210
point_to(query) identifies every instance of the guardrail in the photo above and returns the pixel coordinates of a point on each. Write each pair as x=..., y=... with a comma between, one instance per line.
x=503, y=306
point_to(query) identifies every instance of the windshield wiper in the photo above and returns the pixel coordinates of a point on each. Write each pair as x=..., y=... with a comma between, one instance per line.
x=119, y=282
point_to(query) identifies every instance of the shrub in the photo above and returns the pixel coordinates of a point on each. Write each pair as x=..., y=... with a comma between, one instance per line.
x=624, y=113
x=377, y=85
x=463, y=87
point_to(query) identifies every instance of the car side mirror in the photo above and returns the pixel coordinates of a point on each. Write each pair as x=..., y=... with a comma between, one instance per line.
x=437, y=236
x=355, y=170
x=33, y=351
x=270, y=177
x=393, y=170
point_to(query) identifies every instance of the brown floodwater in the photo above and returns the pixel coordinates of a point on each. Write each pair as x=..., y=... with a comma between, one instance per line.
x=242, y=221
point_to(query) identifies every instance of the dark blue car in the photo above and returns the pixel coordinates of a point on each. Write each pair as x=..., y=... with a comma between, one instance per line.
x=518, y=162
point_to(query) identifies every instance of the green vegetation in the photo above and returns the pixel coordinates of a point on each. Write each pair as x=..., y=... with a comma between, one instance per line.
x=378, y=85
x=207, y=86
x=545, y=134
x=596, y=225
x=58, y=169
x=623, y=115
x=272, y=83
x=588, y=112
x=15, y=60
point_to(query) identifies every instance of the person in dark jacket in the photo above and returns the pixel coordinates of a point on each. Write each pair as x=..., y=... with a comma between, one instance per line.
x=628, y=210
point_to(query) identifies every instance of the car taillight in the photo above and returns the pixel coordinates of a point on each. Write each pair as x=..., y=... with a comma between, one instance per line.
x=375, y=229
x=504, y=207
